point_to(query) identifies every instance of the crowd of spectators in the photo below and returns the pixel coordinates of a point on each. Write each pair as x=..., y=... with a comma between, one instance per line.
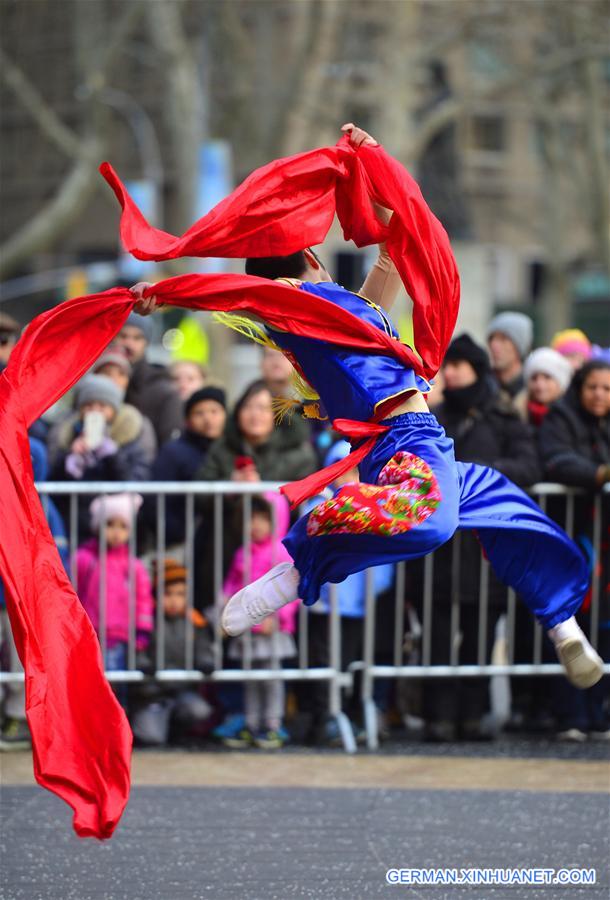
x=535, y=415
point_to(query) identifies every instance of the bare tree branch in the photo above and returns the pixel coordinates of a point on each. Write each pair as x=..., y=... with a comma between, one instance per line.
x=58, y=215
x=184, y=109
x=447, y=112
x=49, y=123
x=63, y=137
x=435, y=122
x=63, y=210
x=329, y=16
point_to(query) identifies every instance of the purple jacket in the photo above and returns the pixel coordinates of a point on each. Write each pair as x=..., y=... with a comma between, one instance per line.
x=88, y=567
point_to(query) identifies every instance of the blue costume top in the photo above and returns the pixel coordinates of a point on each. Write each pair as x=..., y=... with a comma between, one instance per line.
x=350, y=383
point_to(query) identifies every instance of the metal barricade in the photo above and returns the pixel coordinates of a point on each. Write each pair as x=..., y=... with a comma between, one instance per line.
x=483, y=667
x=217, y=492
x=371, y=670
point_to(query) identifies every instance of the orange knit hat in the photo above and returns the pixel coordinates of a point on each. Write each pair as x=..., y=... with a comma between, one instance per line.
x=173, y=571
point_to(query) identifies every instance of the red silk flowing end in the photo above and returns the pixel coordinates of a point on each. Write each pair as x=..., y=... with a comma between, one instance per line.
x=80, y=736
x=81, y=739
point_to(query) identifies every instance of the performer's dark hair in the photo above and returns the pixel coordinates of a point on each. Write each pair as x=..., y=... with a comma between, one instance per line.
x=274, y=267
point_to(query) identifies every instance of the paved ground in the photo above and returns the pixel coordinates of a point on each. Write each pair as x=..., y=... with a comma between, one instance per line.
x=264, y=827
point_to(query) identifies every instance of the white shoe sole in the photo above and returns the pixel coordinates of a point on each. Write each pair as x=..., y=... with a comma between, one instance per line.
x=582, y=669
x=235, y=603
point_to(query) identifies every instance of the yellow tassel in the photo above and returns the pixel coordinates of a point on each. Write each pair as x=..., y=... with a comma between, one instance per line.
x=283, y=407
x=312, y=411
x=302, y=387
x=247, y=327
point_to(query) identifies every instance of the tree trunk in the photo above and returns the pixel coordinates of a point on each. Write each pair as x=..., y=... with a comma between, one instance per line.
x=184, y=109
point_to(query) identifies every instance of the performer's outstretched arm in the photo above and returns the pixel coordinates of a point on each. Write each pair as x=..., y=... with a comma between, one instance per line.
x=382, y=283
x=416, y=242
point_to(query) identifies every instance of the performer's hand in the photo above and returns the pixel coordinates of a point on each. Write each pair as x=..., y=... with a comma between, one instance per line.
x=358, y=137
x=145, y=305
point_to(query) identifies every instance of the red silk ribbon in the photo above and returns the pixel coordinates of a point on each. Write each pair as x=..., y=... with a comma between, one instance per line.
x=353, y=430
x=80, y=736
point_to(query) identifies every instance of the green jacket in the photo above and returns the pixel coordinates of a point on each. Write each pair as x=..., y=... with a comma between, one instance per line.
x=285, y=456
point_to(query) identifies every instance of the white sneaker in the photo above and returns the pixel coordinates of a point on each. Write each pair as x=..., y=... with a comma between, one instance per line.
x=260, y=599
x=572, y=736
x=584, y=667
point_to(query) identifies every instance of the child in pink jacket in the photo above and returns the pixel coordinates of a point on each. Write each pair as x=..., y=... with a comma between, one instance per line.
x=115, y=513
x=271, y=640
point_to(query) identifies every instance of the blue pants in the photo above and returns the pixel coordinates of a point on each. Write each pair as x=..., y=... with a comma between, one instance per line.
x=427, y=496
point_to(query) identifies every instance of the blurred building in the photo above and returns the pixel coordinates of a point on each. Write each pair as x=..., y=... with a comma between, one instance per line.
x=497, y=108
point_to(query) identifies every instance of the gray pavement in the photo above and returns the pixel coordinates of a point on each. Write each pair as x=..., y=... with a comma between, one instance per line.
x=274, y=843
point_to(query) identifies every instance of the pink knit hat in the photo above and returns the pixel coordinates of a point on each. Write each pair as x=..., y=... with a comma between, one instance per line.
x=114, y=506
x=570, y=341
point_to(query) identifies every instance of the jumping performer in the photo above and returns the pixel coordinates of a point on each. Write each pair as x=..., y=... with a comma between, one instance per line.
x=413, y=495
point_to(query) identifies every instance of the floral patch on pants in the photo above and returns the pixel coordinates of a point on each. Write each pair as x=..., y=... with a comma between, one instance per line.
x=406, y=494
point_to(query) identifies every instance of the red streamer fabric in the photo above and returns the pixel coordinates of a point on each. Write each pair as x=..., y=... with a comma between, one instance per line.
x=299, y=491
x=290, y=204
x=81, y=738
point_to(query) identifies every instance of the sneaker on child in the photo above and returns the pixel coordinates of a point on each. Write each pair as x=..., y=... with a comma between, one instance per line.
x=239, y=741
x=269, y=740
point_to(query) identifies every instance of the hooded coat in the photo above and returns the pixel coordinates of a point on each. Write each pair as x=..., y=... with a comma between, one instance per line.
x=131, y=432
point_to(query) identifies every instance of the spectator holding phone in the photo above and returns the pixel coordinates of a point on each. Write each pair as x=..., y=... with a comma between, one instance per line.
x=104, y=440
x=205, y=415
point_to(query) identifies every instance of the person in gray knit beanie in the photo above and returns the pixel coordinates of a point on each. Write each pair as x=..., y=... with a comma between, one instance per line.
x=509, y=336
x=99, y=389
x=143, y=324
x=517, y=327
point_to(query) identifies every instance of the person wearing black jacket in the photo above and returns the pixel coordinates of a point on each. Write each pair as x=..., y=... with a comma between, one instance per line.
x=483, y=424
x=486, y=429
x=574, y=438
x=574, y=441
x=205, y=414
